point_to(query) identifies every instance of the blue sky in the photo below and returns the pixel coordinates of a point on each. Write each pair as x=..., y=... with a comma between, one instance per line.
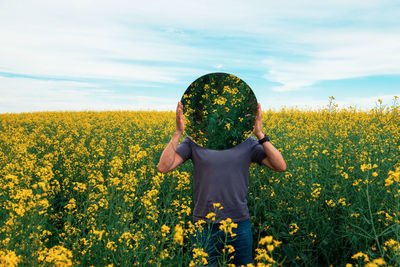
x=136, y=55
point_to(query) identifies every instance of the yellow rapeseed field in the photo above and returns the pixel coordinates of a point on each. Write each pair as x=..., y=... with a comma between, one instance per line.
x=82, y=188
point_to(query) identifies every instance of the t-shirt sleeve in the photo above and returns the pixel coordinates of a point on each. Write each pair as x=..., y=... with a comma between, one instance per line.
x=184, y=149
x=257, y=152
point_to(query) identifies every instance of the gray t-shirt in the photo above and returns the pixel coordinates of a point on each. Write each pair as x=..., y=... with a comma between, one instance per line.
x=221, y=176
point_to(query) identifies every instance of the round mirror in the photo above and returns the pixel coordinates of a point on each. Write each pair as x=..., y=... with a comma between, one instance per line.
x=219, y=111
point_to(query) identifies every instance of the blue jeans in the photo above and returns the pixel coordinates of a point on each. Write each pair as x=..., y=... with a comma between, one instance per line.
x=211, y=240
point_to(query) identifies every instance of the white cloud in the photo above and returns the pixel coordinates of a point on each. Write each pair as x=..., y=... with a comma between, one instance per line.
x=337, y=55
x=165, y=42
x=67, y=57
x=86, y=40
x=25, y=94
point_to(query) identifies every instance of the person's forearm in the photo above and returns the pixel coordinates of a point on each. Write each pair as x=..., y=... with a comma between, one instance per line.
x=275, y=157
x=168, y=155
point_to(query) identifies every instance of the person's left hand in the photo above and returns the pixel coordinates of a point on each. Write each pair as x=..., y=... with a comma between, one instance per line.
x=257, y=124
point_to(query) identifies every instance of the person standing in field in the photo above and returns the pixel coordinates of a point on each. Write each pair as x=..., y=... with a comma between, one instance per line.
x=221, y=176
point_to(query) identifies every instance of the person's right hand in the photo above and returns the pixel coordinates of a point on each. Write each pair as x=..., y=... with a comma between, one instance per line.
x=180, y=124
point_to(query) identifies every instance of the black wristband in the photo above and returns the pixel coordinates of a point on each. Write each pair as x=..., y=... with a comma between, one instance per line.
x=265, y=139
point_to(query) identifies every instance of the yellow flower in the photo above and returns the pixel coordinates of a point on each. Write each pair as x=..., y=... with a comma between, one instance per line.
x=200, y=222
x=359, y=255
x=211, y=215
x=388, y=181
x=364, y=167
x=220, y=101
x=330, y=203
x=379, y=261
x=395, y=245
x=316, y=191
x=57, y=256
x=262, y=255
x=199, y=256
x=9, y=258
x=164, y=254
x=277, y=243
x=217, y=205
x=267, y=239
x=164, y=230
x=178, y=237
x=293, y=228
x=227, y=226
x=229, y=249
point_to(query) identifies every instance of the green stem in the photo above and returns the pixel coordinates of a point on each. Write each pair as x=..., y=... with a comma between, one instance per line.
x=372, y=220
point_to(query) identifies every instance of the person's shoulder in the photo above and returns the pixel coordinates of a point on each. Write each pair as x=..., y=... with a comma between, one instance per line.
x=187, y=140
x=252, y=140
x=250, y=143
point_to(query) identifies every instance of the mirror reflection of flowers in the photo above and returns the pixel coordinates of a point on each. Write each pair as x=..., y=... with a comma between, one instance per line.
x=220, y=109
